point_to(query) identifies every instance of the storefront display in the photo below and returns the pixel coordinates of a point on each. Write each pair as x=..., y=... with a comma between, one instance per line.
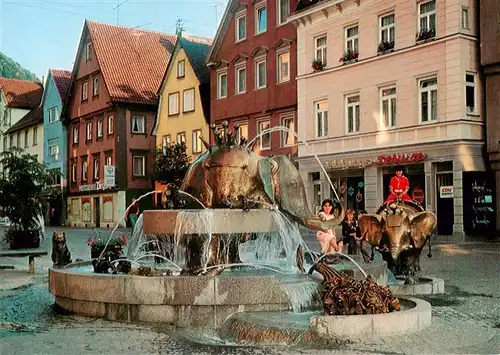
x=479, y=203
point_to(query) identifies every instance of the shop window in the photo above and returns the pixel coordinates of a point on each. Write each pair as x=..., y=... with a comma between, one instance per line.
x=86, y=211
x=107, y=208
x=416, y=176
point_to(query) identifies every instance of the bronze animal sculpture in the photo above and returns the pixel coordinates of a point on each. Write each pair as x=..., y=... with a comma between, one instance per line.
x=399, y=231
x=344, y=295
x=231, y=175
x=60, y=252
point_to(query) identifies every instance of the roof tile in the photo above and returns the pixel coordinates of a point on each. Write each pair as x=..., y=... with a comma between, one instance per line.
x=62, y=79
x=21, y=93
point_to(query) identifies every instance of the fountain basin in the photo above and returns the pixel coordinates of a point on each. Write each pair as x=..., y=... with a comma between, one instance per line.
x=415, y=315
x=425, y=285
x=185, y=301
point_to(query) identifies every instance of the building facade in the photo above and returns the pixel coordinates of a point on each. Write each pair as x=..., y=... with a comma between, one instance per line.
x=27, y=133
x=252, y=72
x=398, y=83
x=17, y=99
x=55, y=136
x=490, y=63
x=184, y=108
x=110, y=110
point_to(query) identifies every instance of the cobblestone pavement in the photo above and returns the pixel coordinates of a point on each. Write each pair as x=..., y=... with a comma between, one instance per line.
x=465, y=320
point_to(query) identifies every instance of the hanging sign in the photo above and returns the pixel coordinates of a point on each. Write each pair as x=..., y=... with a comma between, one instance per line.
x=401, y=158
x=446, y=191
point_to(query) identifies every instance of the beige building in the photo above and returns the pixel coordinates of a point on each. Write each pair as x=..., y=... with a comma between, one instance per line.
x=405, y=90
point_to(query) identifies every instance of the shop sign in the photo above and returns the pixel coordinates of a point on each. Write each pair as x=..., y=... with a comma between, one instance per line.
x=401, y=158
x=109, y=175
x=417, y=195
x=93, y=187
x=343, y=164
x=446, y=191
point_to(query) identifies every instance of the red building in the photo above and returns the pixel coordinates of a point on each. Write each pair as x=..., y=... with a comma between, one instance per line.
x=252, y=72
x=110, y=112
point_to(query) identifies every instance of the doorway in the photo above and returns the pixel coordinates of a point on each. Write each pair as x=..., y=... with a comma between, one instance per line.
x=97, y=209
x=444, y=205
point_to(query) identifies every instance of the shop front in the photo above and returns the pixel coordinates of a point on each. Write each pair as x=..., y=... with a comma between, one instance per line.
x=448, y=179
x=96, y=206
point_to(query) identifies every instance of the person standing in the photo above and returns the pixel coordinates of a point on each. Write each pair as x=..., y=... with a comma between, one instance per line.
x=349, y=226
x=133, y=212
x=399, y=187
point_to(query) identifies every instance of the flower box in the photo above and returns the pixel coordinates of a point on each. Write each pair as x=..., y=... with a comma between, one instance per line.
x=349, y=56
x=425, y=35
x=385, y=47
x=112, y=251
x=317, y=65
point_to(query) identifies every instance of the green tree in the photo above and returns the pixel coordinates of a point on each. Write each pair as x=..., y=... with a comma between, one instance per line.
x=13, y=70
x=22, y=183
x=171, y=164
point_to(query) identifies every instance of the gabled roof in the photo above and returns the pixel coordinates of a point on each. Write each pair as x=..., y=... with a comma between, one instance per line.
x=32, y=118
x=21, y=93
x=221, y=30
x=62, y=79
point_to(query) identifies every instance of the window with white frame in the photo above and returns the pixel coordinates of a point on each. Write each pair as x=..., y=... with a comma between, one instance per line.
x=97, y=168
x=241, y=78
x=265, y=139
x=242, y=131
x=54, y=152
x=283, y=67
x=138, y=124
x=26, y=142
x=321, y=113
x=321, y=48
x=241, y=25
x=88, y=51
x=188, y=100
x=95, y=90
x=108, y=160
x=465, y=18
x=76, y=133
x=352, y=113
x=222, y=84
x=5, y=143
x=387, y=28
x=260, y=18
x=52, y=114
x=73, y=172
x=352, y=38
x=99, y=128
x=181, y=68
x=283, y=11
x=165, y=142
x=19, y=139
x=35, y=135
x=173, y=103
x=428, y=99
x=84, y=170
x=287, y=137
x=470, y=93
x=197, y=141
x=427, y=16
x=139, y=165
x=388, y=107
x=260, y=73
x=88, y=131
x=110, y=125
x=181, y=137
x=84, y=90
x=11, y=140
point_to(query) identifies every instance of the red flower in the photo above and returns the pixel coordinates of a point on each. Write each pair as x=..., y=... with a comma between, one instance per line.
x=124, y=239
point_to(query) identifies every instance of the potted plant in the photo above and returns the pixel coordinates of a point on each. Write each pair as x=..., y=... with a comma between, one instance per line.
x=113, y=247
x=318, y=65
x=23, y=181
x=349, y=56
x=425, y=34
x=385, y=46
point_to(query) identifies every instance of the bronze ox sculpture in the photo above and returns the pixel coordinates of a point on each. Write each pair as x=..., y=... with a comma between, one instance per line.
x=399, y=231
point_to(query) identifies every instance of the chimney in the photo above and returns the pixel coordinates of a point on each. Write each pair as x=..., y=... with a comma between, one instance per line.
x=43, y=81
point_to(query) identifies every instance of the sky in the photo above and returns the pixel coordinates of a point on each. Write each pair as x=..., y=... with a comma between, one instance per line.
x=43, y=34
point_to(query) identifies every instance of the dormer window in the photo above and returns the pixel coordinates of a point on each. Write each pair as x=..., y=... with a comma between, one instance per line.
x=260, y=18
x=241, y=26
x=95, y=89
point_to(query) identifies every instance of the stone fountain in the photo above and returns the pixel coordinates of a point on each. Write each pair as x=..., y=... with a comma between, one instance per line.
x=232, y=257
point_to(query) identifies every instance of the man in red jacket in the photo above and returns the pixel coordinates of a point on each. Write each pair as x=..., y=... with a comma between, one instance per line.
x=399, y=187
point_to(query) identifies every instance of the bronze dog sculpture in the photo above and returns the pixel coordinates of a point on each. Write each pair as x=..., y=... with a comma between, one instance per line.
x=399, y=230
x=60, y=252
